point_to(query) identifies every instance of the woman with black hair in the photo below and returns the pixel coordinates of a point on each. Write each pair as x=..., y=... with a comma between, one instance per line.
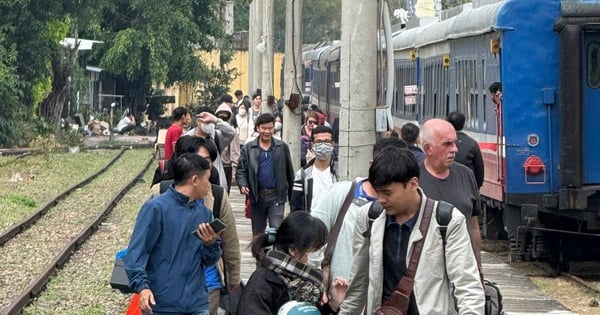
x=283, y=274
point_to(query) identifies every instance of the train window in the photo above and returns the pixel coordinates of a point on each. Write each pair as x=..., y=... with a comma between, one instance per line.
x=405, y=76
x=466, y=87
x=593, y=65
x=435, y=80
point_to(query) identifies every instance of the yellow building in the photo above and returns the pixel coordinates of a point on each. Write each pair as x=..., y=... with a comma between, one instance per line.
x=184, y=95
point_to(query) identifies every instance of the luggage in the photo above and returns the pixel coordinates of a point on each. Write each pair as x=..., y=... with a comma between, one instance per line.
x=119, y=279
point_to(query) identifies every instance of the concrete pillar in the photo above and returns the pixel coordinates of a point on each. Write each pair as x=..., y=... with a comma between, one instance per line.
x=256, y=34
x=267, y=55
x=251, y=50
x=358, y=87
x=293, y=77
x=229, y=17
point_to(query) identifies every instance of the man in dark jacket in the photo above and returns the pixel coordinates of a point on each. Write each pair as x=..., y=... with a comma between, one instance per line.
x=468, y=153
x=265, y=173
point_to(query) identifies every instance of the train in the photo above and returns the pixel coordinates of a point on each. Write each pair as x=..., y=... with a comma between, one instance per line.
x=540, y=146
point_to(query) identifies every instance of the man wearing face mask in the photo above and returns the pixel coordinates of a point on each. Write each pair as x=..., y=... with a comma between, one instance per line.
x=231, y=153
x=220, y=132
x=318, y=175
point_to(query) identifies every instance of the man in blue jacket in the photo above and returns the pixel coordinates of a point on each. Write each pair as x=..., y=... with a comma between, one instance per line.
x=172, y=242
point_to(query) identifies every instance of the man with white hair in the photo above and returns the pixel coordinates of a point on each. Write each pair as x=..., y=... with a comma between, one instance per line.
x=442, y=178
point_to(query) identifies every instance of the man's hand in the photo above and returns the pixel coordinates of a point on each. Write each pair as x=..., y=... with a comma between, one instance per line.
x=244, y=190
x=206, y=117
x=146, y=300
x=206, y=234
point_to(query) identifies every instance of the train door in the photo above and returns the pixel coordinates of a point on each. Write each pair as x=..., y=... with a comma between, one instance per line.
x=591, y=107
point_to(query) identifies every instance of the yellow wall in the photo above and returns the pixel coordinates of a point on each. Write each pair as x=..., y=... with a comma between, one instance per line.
x=425, y=8
x=185, y=94
x=240, y=61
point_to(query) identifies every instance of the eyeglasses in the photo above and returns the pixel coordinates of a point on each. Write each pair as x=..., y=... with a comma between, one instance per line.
x=312, y=122
x=323, y=141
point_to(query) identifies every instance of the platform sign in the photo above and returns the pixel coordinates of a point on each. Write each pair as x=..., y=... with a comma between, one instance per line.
x=410, y=100
x=411, y=90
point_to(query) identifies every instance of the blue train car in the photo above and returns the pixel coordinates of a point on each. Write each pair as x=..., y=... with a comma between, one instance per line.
x=541, y=178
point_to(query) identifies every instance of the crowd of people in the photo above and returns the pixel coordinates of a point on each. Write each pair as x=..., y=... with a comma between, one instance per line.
x=346, y=247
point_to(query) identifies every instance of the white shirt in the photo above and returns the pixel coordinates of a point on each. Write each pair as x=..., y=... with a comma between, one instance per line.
x=322, y=181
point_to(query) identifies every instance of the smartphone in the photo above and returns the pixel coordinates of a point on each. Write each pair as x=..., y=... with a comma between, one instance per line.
x=217, y=225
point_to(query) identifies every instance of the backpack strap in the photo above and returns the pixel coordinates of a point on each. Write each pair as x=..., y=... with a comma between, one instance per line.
x=334, y=233
x=443, y=216
x=374, y=211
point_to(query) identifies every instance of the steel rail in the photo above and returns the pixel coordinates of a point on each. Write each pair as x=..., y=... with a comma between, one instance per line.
x=19, y=227
x=37, y=285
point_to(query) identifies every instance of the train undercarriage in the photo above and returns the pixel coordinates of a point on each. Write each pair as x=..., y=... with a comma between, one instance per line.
x=540, y=233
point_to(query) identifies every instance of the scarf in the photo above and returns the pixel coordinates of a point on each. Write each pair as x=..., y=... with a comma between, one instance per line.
x=304, y=282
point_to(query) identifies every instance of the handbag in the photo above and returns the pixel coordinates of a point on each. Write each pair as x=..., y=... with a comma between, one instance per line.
x=399, y=301
x=118, y=278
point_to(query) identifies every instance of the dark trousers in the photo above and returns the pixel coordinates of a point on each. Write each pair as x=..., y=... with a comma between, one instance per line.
x=228, y=174
x=267, y=207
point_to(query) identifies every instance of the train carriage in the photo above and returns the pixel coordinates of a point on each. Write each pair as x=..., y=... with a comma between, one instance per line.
x=541, y=178
x=547, y=210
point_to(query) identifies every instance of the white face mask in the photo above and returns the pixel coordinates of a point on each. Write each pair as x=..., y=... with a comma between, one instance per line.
x=278, y=126
x=208, y=129
x=242, y=112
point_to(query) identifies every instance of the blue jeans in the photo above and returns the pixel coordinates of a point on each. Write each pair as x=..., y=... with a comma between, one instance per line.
x=192, y=313
x=267, y=207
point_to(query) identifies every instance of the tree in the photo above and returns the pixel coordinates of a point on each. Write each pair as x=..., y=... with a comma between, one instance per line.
x=156, y=42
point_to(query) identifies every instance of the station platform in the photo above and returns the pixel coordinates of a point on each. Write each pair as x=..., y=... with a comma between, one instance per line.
x=520, y=295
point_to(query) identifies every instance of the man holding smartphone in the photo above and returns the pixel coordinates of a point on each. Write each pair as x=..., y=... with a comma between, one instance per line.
x=163, y=232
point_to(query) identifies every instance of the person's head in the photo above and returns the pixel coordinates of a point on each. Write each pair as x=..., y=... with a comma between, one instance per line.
x=265, y=126
x=299, y=234
x=243, y=108
x=394, y=175
x=206, y=128
x=322, y=142
x=227, y=99
x=256, y=100
x=278, y=122
x=496, y=92
x=387, y=142
x=191, y=172
x=238, y=94
x=193, y=144
x=409, y=133
x=438, y=139
x=224, y=112
x=312, y=119
x=457, y=119
x=180, y=114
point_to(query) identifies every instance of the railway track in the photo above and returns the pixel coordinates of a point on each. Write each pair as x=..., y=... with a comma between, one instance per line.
x=42, y=243
x=19, y=227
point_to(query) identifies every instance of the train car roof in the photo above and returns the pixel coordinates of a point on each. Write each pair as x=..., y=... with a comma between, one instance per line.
x=471, y=21
x=315, y=54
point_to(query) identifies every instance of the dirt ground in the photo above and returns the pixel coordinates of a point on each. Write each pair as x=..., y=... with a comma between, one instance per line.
x=568, y=293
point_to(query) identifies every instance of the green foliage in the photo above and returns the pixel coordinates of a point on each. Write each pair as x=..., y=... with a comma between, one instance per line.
x=146, y=43
x=20, y=200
